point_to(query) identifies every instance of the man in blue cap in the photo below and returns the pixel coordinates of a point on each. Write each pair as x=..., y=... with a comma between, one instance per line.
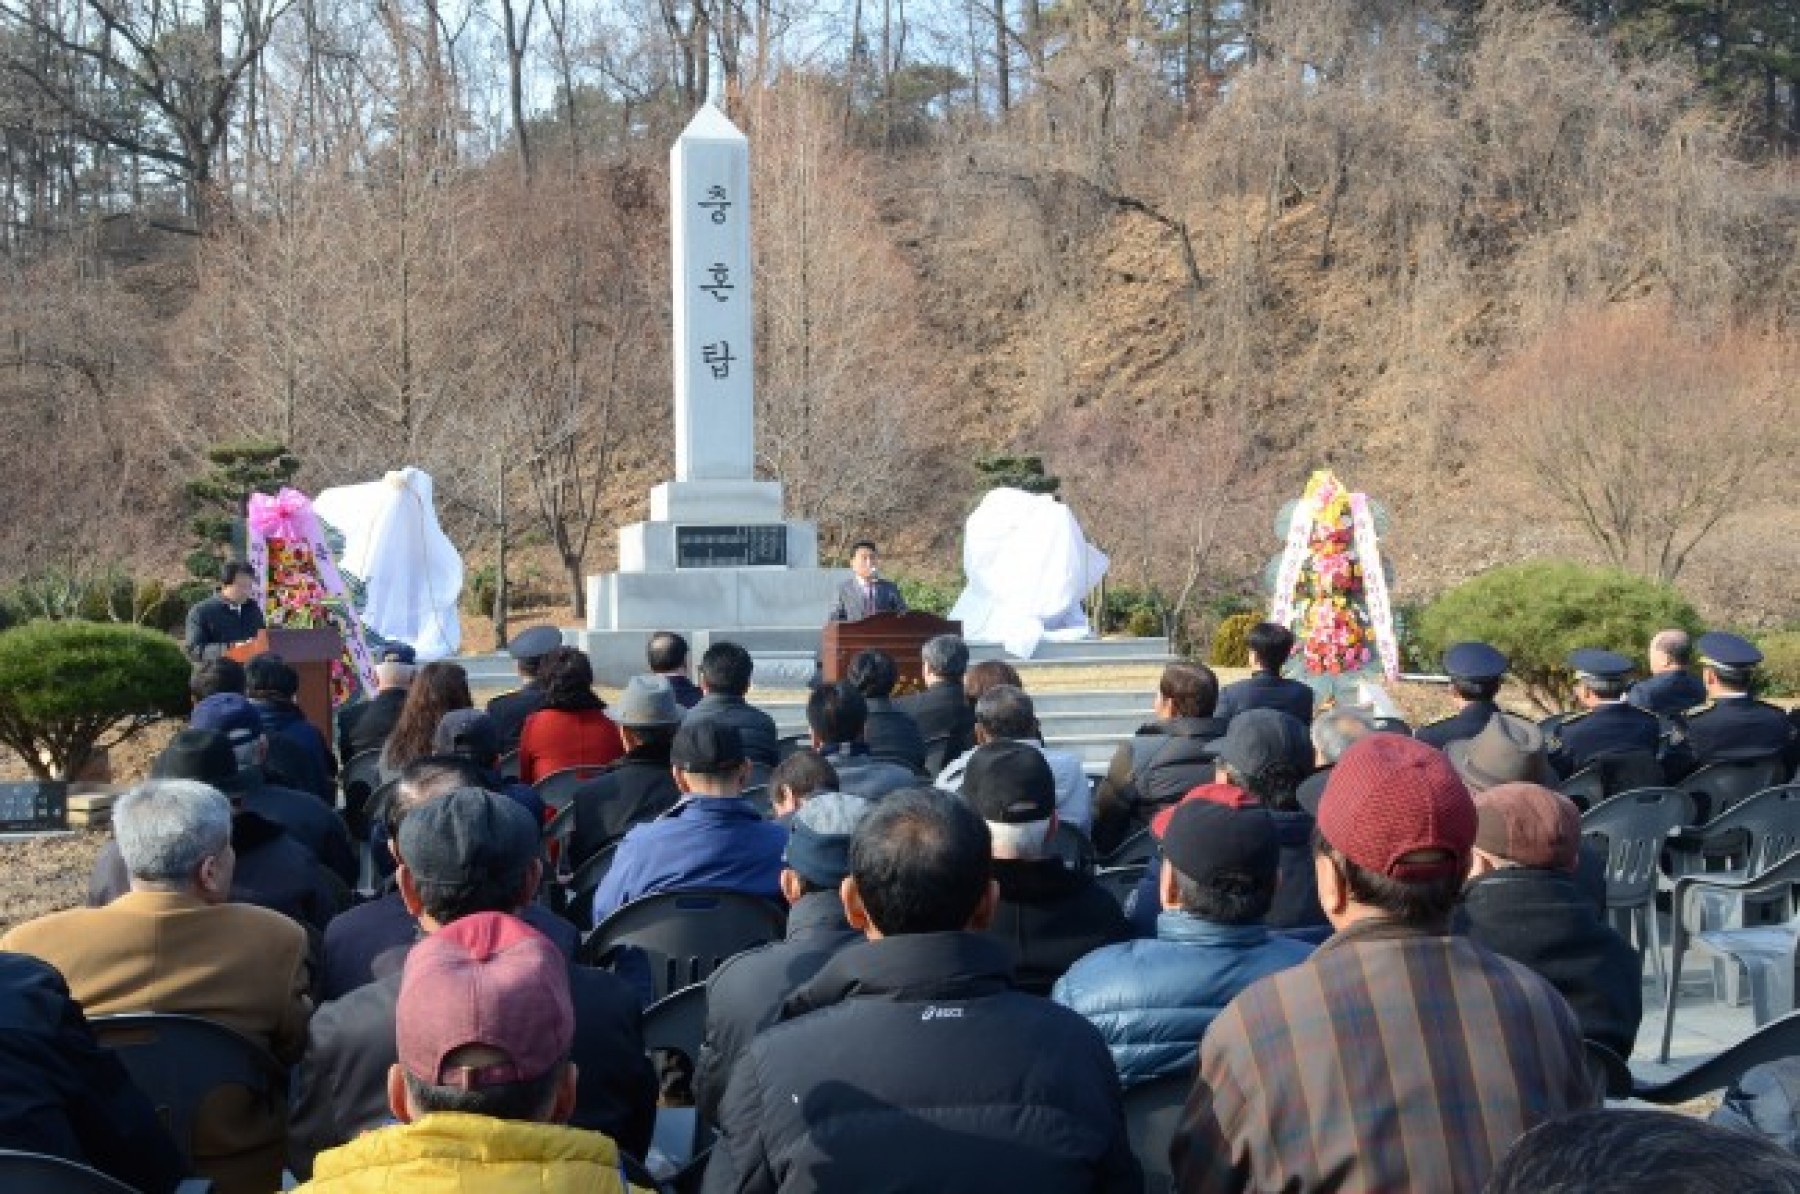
x=1732, y=725
x=510, y=709
x=1606, y=724
x=1475, y=670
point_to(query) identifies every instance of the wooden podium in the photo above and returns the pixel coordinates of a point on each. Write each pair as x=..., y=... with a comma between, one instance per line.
x=899, y=636
x=308, y=652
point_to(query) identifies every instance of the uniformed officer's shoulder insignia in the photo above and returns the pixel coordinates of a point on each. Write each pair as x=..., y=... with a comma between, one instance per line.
x=1568, y=719
x=1698, y=709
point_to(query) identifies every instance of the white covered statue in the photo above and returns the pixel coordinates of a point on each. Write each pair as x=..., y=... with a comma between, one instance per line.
x=1028, y=567
x=411, y=573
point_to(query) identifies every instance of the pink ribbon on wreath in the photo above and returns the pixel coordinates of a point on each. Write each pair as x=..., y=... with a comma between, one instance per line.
x=287, y=515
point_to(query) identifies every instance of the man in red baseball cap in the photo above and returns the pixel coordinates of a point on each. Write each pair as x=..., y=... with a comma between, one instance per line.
x=1398, y=1057
x=484, y=1082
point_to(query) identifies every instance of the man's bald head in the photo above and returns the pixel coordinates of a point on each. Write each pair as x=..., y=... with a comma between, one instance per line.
x=1670, y=649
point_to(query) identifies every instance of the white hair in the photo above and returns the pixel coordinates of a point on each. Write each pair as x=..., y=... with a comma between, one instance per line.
x=165, y=828
x=1333, y=732
x=1028, y=839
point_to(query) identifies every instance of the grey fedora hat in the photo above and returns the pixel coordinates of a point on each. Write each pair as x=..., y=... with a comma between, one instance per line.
x=646, y=701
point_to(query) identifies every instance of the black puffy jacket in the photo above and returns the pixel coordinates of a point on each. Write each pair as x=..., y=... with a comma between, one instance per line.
x=911, y=1063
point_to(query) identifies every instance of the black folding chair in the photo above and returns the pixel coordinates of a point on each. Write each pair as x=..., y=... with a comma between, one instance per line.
x=684, y=935
x=178, y=1061
x=1136, y=850
x=357, y=781
x=578, y=889
x=1152, y=1113
x=1073, y=847
x=1609, y=1073
x=677, y=1023
x=1774, y=1041
x=557, y=789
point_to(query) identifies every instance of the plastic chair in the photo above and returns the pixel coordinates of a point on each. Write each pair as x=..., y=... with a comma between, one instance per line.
x=1073, y=847
x=1136, y=850
x=579, y=888
x=937, y=754
x=1609, y=1073
x=1152, y=1113
x=40, y=1173
x=685, y=934
x=1120, y=881
x=1744, y=840
x=1766, y=953
x=357, y=781
x=1636, y=827
x=1716, y=787
x=677, y=1023
x=557, y=789
x=180, y=1060
x=1774, y=1041
x=1609, y=775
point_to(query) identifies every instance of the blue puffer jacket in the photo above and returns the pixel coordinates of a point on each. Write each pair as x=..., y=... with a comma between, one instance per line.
x=1153, y=1000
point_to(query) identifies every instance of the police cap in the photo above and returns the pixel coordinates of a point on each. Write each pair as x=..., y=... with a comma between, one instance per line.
x=535, y=643
x=1593, y=664
x=1474, y=661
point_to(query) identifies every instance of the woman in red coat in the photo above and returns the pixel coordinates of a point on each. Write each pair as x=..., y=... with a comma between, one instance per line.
x=571, y=728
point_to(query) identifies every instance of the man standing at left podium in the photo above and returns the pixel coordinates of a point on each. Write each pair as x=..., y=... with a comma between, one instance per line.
x=866, y=592
x=230, y=617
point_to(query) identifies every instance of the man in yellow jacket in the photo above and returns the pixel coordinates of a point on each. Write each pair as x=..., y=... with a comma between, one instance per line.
x=484, y=1085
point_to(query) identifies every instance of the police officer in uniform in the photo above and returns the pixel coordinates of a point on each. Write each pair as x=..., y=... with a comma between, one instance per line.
x=510, y=709
x=1475, y=670
x=1607, y=724
x=1732, y=724
x=1670, y=688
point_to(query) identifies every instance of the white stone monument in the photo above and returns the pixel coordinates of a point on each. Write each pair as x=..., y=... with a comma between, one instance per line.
x=716, y=559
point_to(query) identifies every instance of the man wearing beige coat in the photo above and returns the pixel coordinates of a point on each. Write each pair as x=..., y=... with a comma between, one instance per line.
x=172, y=944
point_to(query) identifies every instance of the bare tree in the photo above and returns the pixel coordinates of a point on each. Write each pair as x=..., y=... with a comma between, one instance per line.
x=1646, y=433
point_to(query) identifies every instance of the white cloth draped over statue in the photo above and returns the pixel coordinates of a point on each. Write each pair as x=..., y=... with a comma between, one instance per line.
x=411, y=571
x=1028, y=567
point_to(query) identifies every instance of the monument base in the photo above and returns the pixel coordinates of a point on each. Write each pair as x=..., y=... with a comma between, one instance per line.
x=786, y=657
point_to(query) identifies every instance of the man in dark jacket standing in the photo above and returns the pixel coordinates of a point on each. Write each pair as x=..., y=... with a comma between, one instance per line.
x=745, y=994
x=466, y=852
x=910, y=1056
x=1048, y=914
x=229, y=617
x=1522, y=901
x=1270, y=645
x=945, y=717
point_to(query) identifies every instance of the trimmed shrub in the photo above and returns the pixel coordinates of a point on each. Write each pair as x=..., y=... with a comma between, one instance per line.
x=1539, y=611
x=1781, y=664
x=1231, y=641
x=929, y=596
x=69, y=688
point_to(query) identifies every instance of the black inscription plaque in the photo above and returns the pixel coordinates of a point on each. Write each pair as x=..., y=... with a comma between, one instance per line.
x=33, y=805
x=731, y=546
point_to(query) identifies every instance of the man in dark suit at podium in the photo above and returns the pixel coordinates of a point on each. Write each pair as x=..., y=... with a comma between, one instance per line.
x=866, y=593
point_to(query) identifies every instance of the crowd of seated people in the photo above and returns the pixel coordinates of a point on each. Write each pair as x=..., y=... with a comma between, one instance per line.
x=1370, y=958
